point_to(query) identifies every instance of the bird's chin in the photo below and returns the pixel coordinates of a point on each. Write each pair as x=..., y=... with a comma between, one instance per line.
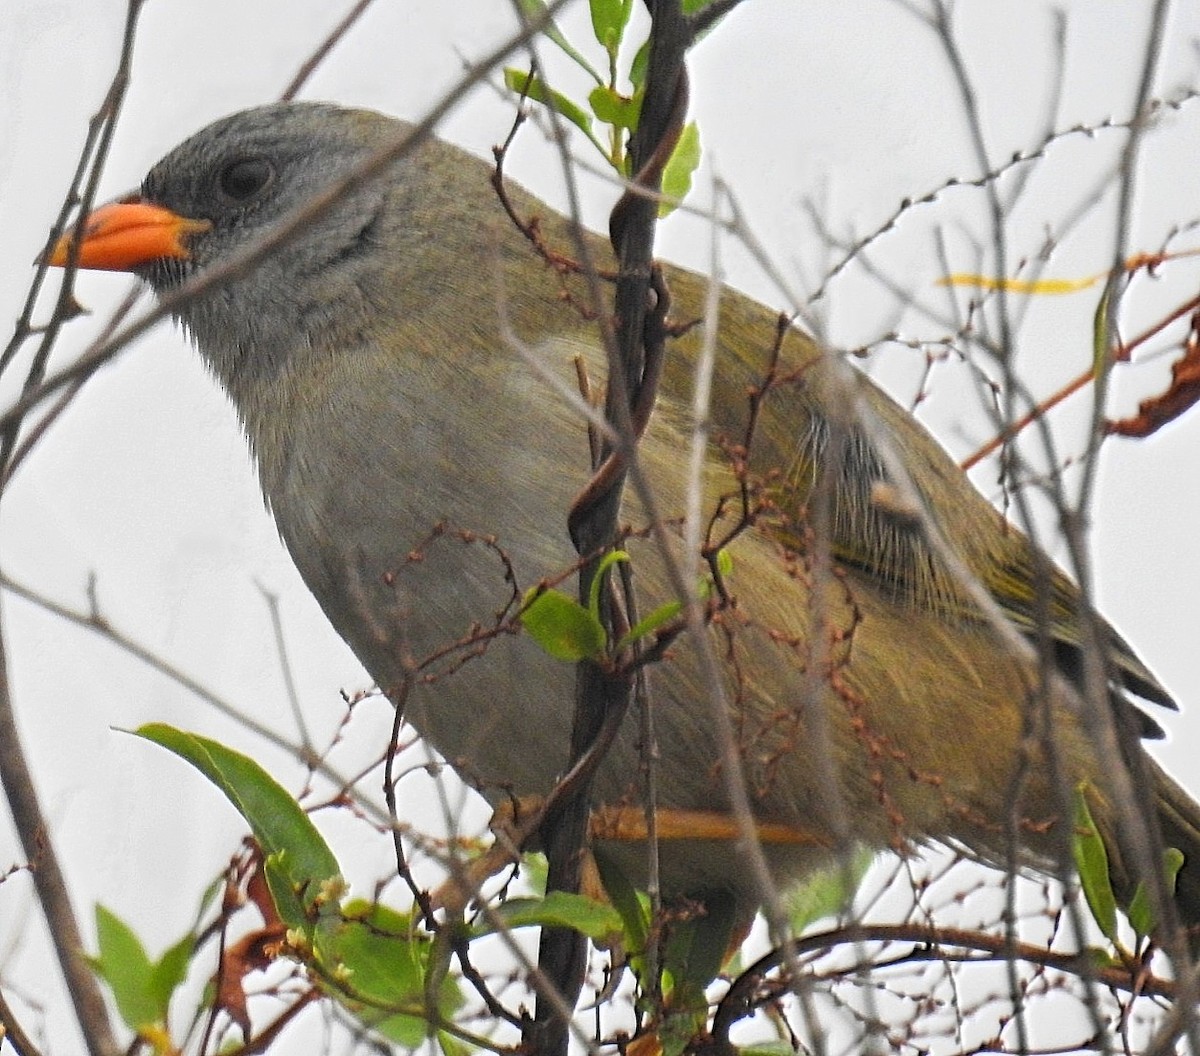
x=166, y=274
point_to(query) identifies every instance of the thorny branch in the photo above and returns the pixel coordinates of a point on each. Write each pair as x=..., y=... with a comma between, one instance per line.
x=634, y=369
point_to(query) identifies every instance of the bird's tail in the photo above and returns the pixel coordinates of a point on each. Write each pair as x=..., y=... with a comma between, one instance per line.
x=1179, y=818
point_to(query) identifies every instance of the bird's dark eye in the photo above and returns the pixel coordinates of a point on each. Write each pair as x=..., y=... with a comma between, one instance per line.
x=244, y=178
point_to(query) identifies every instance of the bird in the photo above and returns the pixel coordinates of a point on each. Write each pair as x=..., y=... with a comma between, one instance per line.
x=388, y=366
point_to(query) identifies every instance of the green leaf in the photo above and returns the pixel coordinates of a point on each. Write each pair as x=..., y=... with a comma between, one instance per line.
x=677, y=176
x=1141, y=913
x=535, y=870
x=609, y=19
x=561, y=626
x=632, y=906
x=208, y=898
x=142, y=989
x=1091, y=862
x=374, y=962
x=124, y=965
x=695, y=949
x=170, y=970
x=650, y=623
x=768, y=1048
x=531, y=87
x=724, y=562
x=638, y=68
x=300, y=867
x=668, y=611
x=691, y=959
x=287, y=893
x=613, y=108
x=1100, y=349
x=613, y=557
x=680, y=1029
x=536, y=9
x=1173, y=859
x=1102, y=958
x=827, y=891
x=562, y=909
x=452, y=1046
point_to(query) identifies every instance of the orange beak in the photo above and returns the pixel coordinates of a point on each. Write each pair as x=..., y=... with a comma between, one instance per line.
x=127, y=234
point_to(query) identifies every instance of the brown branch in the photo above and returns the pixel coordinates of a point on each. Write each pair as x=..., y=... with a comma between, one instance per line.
x=15, y=775
x=930, y=944
x=12, y=1031
x=100, y=131
x=49, y=881
x=64, y=400
x=1181, y=395
x=1122, y=354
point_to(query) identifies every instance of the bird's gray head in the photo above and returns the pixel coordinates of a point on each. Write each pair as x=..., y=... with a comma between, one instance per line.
x=248, y=171
x=237, y=180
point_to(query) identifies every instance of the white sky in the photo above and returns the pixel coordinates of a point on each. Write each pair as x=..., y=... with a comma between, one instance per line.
x=146, y=483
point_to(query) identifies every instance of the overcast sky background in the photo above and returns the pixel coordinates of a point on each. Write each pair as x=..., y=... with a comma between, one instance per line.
x=146, y=482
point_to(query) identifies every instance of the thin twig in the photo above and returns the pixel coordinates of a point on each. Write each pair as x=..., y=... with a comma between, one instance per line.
x=321, y=53
x=285, y=669
x=12, y=1031
x=19, y=789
